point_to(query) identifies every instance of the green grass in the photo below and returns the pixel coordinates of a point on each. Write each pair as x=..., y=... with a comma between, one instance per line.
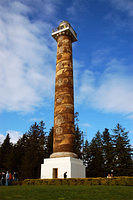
x=46, y=192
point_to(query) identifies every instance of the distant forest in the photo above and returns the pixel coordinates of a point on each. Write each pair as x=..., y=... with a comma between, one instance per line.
x=108, y=152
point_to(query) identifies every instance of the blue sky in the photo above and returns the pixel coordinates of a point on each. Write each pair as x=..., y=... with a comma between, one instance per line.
x=103, y=63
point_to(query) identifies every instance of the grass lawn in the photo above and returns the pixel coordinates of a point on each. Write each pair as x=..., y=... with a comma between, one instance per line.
x=43, y=192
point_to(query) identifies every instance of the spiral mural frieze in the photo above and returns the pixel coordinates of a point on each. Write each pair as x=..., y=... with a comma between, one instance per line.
x=64, y=100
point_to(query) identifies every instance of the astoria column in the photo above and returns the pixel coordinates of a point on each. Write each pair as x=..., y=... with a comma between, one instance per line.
x=63, y=138
x=63, y=161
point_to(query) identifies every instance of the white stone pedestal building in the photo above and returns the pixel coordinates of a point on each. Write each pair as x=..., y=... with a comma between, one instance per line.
x=56, y=167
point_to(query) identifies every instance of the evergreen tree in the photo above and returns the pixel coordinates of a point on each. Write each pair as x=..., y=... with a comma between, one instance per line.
x=78, y=142
x=6, y=154
x=32, y=151
x=86, y=156
x=96, y=161
x=108, y=152
x=123, y=161
x=19, y=153
x=0, y=159
x=49, y=145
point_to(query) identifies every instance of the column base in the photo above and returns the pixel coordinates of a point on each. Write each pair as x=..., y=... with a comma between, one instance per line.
x=63, y=154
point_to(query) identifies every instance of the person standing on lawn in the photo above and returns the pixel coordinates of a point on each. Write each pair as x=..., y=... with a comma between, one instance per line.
x=10, y=178
x=3, y=178
x=7, y=178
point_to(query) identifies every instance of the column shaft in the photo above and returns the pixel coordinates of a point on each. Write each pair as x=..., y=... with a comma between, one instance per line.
x=64, y=98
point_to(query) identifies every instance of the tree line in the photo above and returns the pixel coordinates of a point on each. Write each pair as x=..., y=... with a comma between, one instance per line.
x=106, y=153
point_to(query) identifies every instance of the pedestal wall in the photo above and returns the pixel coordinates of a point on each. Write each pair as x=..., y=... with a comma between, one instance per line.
x=74, y=167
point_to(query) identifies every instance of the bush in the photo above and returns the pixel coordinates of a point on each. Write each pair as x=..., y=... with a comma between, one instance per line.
x=81, y=181
x=88, y=181
x=104, y=181
x=96, y=181
x=129, y=181
x=113, y=181
x=17, y=182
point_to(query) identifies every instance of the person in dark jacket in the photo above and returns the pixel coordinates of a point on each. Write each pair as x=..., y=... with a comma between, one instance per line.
x=3, y=178
x=65, y=175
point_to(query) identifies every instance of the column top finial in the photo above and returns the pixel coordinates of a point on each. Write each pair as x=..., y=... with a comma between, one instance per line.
x=64, y=23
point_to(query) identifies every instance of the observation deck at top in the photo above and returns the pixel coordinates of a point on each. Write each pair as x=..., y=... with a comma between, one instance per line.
x=64, y=28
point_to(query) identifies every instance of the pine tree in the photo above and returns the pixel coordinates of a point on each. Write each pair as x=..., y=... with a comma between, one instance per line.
x=32, y=151
x=19, y=152
x=96, y=161
x=123, y=161
x=0, y=159
x=49, y=145
x=108, y=152
x=86, y=156
x=6, y=154
x=78, y=142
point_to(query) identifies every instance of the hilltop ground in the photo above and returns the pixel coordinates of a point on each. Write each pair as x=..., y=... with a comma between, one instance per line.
x=42, y=192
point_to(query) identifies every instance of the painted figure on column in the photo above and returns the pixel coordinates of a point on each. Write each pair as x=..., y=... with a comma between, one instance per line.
x=64, y=94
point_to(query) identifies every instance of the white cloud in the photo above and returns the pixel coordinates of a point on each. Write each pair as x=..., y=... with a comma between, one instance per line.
x=14, y=136
x=76, y=7
x=26, y=72
x=115, y=95
x=115, y=16
x=86, y=125
x=35, y=119
x=100, y=56
x=130, y=117
x=87, y=86
x=2, y=137
x=124, y=5
x=111, y=91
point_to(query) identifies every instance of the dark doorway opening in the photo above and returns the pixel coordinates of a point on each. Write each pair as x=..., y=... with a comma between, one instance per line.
x=55, y=172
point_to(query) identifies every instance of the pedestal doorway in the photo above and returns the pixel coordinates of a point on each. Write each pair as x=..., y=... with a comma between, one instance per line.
x=55, y=172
